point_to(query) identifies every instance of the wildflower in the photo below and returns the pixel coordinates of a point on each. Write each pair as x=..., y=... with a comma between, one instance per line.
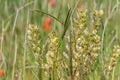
x=47, y=27
x=48, y=21
x=2, y=73
x=47, y=24
x=52, y=3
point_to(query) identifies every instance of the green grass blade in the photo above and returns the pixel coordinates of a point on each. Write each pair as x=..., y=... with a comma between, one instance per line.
x=67, y=21
x=49, y=15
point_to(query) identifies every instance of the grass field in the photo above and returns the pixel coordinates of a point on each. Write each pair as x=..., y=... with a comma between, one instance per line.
x=59, y=39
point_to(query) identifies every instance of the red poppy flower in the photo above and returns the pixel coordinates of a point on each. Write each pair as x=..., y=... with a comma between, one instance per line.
x=47, y=27
x=2, y=73
x=52, y=3
x=48, y=21
x=47, y=24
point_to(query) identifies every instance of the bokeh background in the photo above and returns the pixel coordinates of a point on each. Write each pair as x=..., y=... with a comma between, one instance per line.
x=16, y=15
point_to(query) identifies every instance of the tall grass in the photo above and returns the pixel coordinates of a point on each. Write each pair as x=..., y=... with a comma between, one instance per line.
x=18, y=59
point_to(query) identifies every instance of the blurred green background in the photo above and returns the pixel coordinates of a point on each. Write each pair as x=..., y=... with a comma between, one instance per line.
x=16, y=15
